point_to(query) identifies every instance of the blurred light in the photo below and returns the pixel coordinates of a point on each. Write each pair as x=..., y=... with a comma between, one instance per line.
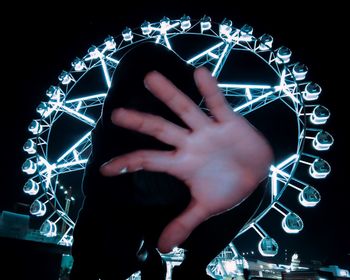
x=110, y=43
x=265, y=42
x=320, y=115
x=185, y=22
x=292, y=223
x=31, y=187
x=309, y=197
x=65, y=78
x=29, y=167
x=48, y=229
x=35, y=127
x=78, y=64
x=319, y=168
x=29, y=146
x=268, y=247
x=322, y=141
x=312, y=91
x=299, y=71
x=283, y=55
x=42, y=108
x=127, y=34
x=225, y=28
x=205, y=23
x=146, y=28
x=37, y=208
x=94, y=52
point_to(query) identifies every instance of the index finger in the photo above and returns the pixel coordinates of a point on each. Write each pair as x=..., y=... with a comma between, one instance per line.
x=214, y=98
x=176, y=100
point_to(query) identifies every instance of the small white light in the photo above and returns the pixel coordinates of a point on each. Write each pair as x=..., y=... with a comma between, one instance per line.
x=146, y=28
x=110, y=43
x=185, y=22
x=205, y=23
x=78, y=64
x=283, y=55
x=127, y=34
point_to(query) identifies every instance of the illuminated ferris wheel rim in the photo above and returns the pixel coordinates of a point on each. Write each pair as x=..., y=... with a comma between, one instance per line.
x=294, y=93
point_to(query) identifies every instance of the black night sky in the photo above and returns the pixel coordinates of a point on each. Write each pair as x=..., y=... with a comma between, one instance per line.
x=39, y=42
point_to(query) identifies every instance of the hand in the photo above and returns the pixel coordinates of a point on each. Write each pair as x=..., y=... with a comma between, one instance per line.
x=221, y=159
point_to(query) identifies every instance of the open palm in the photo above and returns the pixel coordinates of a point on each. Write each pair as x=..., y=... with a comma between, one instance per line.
x=221, y=159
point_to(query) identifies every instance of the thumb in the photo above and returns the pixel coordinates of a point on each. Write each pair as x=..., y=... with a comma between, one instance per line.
x=177, y=231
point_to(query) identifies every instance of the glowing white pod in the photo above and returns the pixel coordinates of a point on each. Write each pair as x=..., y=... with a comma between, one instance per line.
x=299, y=71
x=29, y=167
x=146, y=28
x=322, y=141
x=283, y=55
x=309, y=197
x=78, y=64
x=205, y=23
x=185, y=22
x=31, y=187
x=127, y=34
x=30, y=146
x=319, y=168
x=265, y=42
x=37, y=208
x=319, y=115
x=268, y=247
x=312, y=91
x=292, y=223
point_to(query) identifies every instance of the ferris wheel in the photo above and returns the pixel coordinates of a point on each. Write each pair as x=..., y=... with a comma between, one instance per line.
x=256, y=78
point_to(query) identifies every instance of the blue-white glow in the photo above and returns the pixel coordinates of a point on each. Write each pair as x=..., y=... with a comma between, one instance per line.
x=185, y=23
x=94, y=53
x=251, y=102
x=35, y=127
x=42, y=108
x=78, y=115
x=31, y=187
x=29, y=167
x=106, y=74
x=37, y=208
x=268, y=247
x=225, y=28
x=79, y=64
x=48, y=228
x=85, y=98
x=244, y=98
x=205, y=52
x=65, y=78
x=283, y=55
x=146, y=28
x=309, y=197
x=312, y=91
x=220, y=60
x=110, y=43
x=246, y=33
x=299, y=71
x=55, y=93
x=319, y=169
x=245, y=86
x=30, y=146
x=205, y=23
x=322, y=141
x=320, y=115
x=265, y=42
x=127, y=34
x=71, y=149
x=285, y=87
x=292, y=223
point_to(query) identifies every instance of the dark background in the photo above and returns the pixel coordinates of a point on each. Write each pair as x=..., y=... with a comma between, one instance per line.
x=39, y=41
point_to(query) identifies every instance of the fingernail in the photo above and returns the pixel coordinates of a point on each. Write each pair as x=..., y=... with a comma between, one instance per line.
x=123, y=170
